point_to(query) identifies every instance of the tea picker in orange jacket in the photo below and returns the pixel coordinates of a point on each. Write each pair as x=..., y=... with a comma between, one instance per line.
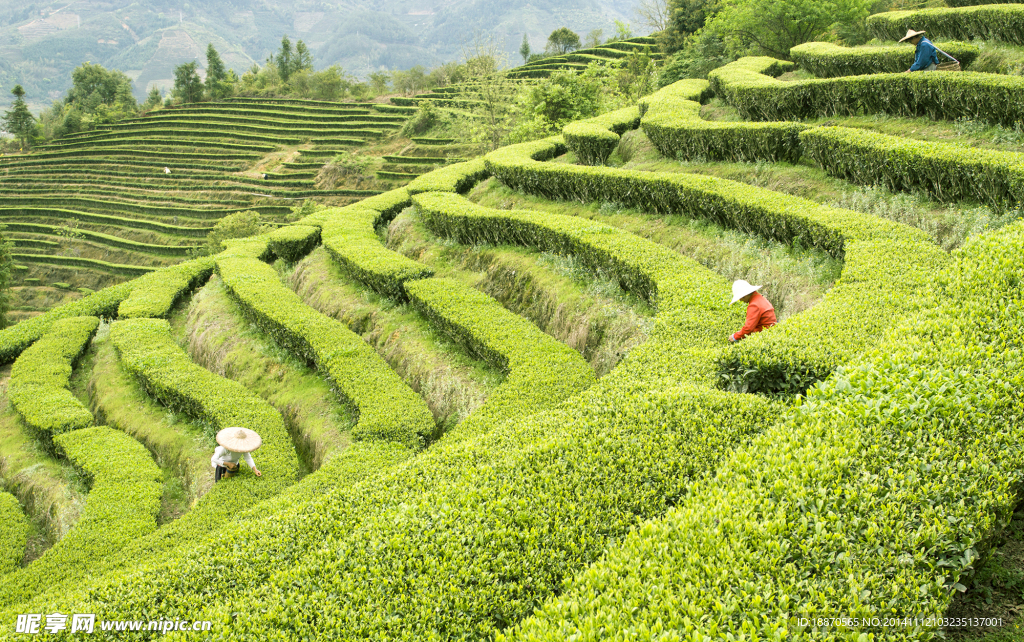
x=760, y=312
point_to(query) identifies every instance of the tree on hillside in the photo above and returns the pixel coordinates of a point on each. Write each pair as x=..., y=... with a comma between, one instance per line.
x=653, y=14
x=153, y=100
x=233, y=226
x=92, y=86
x=524, y=49
x=494, y=94
x=773, y=28
x=303, y=60
x=594, y=38
x=291, y=60
x=622, y=32
x=18, y=120
x=187, y=85
x=379, y=80
x=216, y=75
x=562, y=40
x=284, y=59
x=685, y=18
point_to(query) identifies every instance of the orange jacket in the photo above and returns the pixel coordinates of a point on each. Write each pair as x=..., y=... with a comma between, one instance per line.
x=760, y=315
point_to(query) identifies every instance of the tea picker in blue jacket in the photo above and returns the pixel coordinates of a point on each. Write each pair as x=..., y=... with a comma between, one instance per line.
x=925, y=58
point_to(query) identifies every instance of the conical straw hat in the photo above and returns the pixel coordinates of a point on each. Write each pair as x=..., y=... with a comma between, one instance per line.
x=911, y=33
x=239, y=440
x=741, y=289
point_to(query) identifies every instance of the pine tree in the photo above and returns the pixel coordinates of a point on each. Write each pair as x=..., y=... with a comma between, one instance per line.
x=303, y=58
x=216, y=74
x=285, y=58
x=154, y=99
x=18, y=120
x=187, y=85
x=524, y=49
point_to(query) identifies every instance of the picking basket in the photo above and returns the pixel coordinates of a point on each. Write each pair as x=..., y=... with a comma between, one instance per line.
x=947, y=66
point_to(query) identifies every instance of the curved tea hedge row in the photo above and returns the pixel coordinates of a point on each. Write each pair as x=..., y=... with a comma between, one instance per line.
x=874, y=498
x=458, y=178
x=827, y=60
x=15, y=339
x=1000, y=22
x=671, y=120
x=349, y=234
x=541, y=371
x=14, y=530
x=156, y=293
x=945, y=171
x=148, y=352
x=748, y=86
x=387, y=408
x=38, y=389
x=124, y=498
x=593, y=140
x=806, y=348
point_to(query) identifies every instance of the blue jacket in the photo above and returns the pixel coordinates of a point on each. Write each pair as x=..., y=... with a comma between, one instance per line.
x=925, y=55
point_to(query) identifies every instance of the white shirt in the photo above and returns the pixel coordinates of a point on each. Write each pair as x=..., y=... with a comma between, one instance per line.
x=222, y=455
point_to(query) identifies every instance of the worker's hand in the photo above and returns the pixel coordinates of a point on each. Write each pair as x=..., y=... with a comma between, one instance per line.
x=732, y=339
x=257, y=472
x=907, y=71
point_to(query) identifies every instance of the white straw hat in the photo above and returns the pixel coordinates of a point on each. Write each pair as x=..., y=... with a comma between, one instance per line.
x=239, y=440
x=741, y=289
x=911, y=33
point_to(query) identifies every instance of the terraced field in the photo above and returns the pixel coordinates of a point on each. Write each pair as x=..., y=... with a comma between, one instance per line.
x=500, y=402
x=142, y=193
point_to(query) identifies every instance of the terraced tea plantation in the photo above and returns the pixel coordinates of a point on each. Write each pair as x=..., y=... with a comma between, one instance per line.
x=94, y=208
x=500, y=401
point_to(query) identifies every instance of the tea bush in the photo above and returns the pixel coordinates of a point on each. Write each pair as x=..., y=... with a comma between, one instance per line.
x=827, y=60
x=124, y=497
x=541, y=372
x=748, y=86
x=671, y=120
x=875, y=497
x=947, y=172
x=793, y=355
x=999, y=22
x=38, y=389
x=14, y=530
x=156, y=293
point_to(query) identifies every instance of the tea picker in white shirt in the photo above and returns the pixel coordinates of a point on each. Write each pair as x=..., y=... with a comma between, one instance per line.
x=235, y=444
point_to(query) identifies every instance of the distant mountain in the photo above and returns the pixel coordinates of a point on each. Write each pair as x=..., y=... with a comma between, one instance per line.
x=41, y=42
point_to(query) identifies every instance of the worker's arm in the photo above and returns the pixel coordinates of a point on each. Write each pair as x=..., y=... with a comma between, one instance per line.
x=218, y=453
x=753, y=316
x=252, y=464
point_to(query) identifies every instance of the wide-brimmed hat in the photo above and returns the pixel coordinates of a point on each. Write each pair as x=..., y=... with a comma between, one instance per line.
x=741, y=289
x=911, y=33
x=239, y=440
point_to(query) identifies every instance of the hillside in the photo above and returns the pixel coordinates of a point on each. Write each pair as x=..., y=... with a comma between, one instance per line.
x=505, y=400
x=41, y=42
